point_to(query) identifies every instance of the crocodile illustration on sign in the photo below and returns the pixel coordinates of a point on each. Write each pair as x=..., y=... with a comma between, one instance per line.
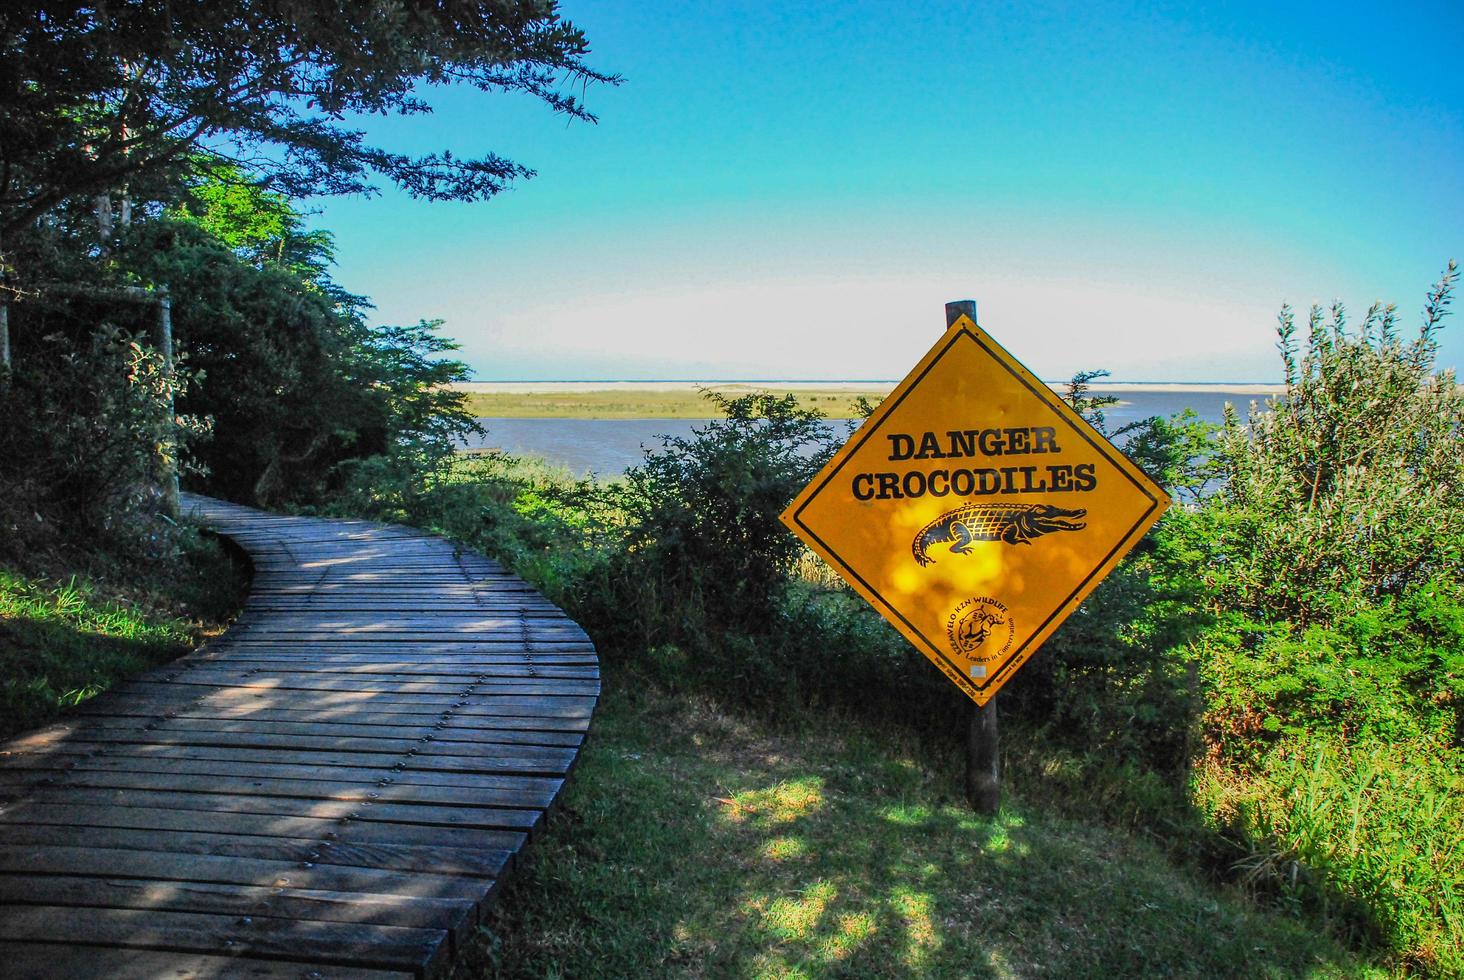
x=1012, y=523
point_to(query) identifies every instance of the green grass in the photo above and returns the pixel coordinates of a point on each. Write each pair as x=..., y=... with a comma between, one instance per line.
x=654, y=404
x=1370, y=835
x=64, y=640
x=694, y=843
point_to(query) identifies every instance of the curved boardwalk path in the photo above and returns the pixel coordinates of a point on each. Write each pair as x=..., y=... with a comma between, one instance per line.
x=332, y=789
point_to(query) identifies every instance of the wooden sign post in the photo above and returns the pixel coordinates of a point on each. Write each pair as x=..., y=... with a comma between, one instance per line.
x=983, y=737
x=975, y=510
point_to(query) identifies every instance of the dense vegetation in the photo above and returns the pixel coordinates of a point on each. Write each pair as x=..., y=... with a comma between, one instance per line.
x=152, y=157
x=152, y=151
x=1271, y=682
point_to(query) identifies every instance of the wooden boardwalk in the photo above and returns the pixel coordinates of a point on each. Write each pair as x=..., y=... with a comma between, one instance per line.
x=334, y=788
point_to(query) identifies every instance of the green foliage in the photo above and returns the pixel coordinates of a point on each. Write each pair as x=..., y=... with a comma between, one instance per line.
x=1370, y=837
x=116, y=98
x=410, y=380
x=703, y=535
x=295, y=381
x=1078, y=393
x=1178, y=453
x=1332, y=562
x=1378, y=675
x=87, y=429
x=147, y=145
x=1345, y=491
x=258, y=225
x=1333, y=554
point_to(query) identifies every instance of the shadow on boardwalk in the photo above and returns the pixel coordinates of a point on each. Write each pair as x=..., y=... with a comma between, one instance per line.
x=335, y=787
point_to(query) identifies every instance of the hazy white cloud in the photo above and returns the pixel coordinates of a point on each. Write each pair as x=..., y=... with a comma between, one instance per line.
x=869, y=328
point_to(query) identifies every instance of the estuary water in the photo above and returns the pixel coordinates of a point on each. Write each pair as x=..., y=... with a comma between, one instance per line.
x=608, y=447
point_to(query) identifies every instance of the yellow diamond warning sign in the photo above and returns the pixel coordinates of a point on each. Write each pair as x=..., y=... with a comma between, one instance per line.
x=975, y=509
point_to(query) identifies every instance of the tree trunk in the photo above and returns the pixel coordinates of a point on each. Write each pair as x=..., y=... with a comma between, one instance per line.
x=103, y=210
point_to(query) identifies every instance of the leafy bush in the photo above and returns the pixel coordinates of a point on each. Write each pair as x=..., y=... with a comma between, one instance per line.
x=705, y=556
x=1333, y=555
x=87, y=428
x=1345, y=491
x=1334, y=662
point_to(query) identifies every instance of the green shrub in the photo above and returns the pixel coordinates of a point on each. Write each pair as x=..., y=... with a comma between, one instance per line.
x=1345, y=491
x=297, y=384
x=1333, y=555
x=704, y=556
x=1334, y=661
x=86, y=430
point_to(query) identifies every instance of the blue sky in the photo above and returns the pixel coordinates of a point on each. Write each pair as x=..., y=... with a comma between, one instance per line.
x=794, y=192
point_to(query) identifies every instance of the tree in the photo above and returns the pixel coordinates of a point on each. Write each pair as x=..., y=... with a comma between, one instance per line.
x=106, y=98
x=261, y=227
x=293, y=378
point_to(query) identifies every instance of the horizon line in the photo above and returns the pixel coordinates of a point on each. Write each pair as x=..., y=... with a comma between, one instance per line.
x=860, y=381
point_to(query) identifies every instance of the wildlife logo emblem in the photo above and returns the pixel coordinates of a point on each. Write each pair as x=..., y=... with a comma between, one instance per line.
x=977, y=622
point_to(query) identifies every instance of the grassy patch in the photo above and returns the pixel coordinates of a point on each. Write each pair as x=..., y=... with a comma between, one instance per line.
x=64, y=640
x=1370, y=836
x=693, y=843
x=653, y=403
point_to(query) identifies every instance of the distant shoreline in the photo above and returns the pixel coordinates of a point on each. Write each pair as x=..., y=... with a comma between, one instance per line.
x=839, y=387
x=683, y=399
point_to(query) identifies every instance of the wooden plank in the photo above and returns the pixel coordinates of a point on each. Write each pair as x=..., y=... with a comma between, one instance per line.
x=103, y=726
x=513, y=760
x=70, y=961
x=74, y=813
x=437, y=859
x=475, y=657
x=501, y=713
x=524, y=788
x=259, y=678
x=420, y=951
x=226, y=870
x=455, y=916
x=404, y=672
x=347, y=814
x=14, y=784
x=426, y=752
x=165, y=698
